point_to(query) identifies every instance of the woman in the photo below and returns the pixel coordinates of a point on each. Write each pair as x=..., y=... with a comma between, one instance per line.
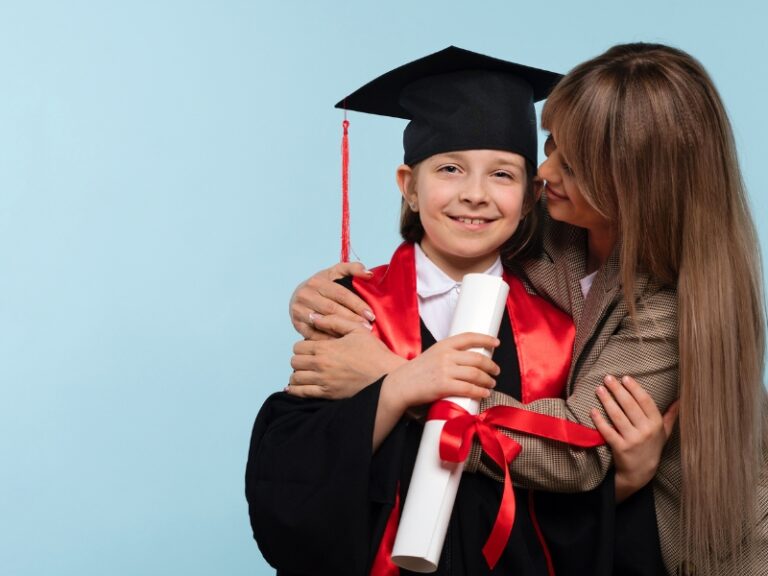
x=649, y=219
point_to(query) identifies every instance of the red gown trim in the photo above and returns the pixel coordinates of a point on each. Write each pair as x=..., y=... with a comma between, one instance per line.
x=391, y=294
x=543, y=337
x=382, y=563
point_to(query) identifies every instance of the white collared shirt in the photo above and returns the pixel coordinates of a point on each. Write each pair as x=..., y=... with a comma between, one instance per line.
x=438, y=293
x=586, y=283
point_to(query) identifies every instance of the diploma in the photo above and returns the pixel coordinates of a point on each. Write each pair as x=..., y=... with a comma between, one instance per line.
x=432, y=492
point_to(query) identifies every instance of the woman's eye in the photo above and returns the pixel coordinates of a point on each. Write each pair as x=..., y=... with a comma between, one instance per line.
x=549, y=146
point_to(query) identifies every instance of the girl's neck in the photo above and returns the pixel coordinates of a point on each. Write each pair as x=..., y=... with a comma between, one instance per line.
x=600, y=244
x=456, y=267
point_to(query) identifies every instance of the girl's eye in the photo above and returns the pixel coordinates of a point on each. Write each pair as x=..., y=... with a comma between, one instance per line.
x=567, y=169
x=502, y=174
x=449, y=168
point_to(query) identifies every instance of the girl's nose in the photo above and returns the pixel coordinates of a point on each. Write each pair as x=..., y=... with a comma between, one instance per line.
x=473, y=192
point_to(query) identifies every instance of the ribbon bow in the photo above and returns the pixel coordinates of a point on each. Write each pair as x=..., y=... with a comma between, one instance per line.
x=461, y=427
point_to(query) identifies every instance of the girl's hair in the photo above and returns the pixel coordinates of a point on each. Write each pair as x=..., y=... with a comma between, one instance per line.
x=524, y=243
x=648, y=138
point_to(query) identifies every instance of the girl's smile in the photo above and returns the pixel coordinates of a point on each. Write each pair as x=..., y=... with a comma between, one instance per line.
x=469, y=203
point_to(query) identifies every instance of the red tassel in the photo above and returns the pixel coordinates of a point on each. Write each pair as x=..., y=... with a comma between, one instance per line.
x=345, y=192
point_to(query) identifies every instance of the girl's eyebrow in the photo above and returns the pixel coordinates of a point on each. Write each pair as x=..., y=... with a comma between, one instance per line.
x=519, y=164
x=450, y=155
x=457, y=156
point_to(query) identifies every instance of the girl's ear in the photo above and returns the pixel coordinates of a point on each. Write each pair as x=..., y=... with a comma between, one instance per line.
x=405, y=178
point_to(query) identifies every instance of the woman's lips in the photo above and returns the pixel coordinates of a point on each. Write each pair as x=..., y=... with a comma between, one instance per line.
x=551, y=192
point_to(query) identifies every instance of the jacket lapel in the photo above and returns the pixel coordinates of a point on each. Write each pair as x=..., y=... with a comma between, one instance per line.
x=556, y=273
x=599, y=301
x=603, y=311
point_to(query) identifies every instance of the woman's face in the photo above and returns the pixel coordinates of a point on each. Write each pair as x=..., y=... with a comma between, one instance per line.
x=565, y=201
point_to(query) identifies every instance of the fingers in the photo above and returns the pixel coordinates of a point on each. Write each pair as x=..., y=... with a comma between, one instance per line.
x=478, y=362
x=632, y=410
x=305, y=391
x=466, y=390
x=670, y=418
x=627, y=400
x=312, y=334
x=468, y=340
x=642, y=397
x=612, y=437
x=338, y=325
x=612, y=408
x=348, y=269
x=327, y=297
x=475, y=376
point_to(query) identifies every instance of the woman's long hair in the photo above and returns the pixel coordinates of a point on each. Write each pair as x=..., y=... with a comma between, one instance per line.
x=648, y=138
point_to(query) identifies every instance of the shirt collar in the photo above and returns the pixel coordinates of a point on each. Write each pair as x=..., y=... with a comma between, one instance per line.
x=432, y=281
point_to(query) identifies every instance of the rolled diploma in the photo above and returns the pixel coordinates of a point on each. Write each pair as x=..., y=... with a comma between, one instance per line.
x=434, y=483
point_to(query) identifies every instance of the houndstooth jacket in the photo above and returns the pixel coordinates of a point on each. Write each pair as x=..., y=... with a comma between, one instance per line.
x=609, y=342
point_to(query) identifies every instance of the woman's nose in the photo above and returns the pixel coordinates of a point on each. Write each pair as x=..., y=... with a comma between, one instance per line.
x=547, y=170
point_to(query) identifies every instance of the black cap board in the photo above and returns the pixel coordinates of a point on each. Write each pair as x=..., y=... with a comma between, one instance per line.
x=459, y=100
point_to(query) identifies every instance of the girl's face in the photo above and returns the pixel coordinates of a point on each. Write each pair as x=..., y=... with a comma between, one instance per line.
x=565, y=201
x=469, y=203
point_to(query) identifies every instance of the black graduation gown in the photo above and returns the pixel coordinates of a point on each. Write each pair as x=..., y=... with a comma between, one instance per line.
x=319, y=499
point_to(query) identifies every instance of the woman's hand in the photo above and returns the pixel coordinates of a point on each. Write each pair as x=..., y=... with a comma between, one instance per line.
x=638, y=434
x=341, y=367
x=320, y=296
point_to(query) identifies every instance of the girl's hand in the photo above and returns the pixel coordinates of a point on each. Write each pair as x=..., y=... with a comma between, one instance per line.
x=320, y=296
x=448, y=368
x=638, y=434
x=341, y=367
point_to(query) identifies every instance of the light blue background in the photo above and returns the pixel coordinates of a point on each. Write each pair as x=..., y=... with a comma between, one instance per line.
x=169, y=170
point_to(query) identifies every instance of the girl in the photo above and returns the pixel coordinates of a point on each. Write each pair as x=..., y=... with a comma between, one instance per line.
x=650, y=244
x=327, y=477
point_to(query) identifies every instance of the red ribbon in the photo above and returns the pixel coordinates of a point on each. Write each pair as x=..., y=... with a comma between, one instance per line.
x=461, y=427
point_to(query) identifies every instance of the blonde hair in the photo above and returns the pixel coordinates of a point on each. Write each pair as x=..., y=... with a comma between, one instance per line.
x=651, y=146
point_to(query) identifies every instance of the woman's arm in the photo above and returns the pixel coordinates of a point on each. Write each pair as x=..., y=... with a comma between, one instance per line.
x=648, y=351
x=339, y=367
x=645, y=348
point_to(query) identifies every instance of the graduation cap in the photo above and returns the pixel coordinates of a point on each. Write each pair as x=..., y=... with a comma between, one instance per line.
x=459, y=100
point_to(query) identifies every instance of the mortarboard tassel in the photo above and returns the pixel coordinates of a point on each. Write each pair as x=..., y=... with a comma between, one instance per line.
x=345, y=191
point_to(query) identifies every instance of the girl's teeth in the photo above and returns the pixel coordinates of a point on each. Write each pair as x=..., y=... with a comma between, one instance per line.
x=471, y=220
